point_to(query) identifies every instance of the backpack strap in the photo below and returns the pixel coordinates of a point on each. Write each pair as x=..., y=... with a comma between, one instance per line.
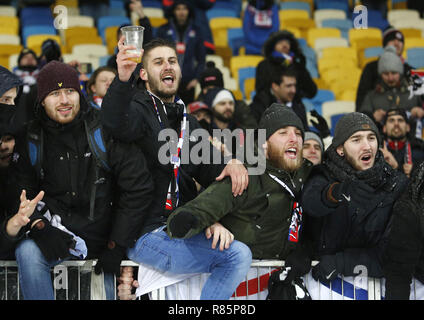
x=35, y=138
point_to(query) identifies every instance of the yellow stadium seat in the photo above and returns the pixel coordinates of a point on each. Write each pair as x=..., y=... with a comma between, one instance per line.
x=237, y=94
x=9, y=23
x=111, y=38
x=76, y=40
x=296, y=31
x=219, y=27
x=321, y=84
x=347, y=95
x=323, y=14
x=411, y=32
x=302, y=24
x=80, y=31
x=329, y=63
x=157, y=21
x=80, y=21
x=237, y=62
x=315, y=33
x=8, y=49
x=360, y=34
x=330, y=108
x=293, y=14
x=67, y=3
x=413, y=43
x=249, y=86
x=340, y=52
x=4, y=61
x=9, y=30
x=35, y=41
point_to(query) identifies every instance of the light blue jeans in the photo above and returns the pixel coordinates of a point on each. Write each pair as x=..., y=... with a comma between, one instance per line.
x=35, y=273
x=195, y=255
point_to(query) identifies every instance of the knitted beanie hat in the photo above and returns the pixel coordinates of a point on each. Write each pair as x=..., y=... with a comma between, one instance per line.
x=351, y=123
x=278, y=116
x=391, y=34
x=54, y=76
x=310, y=135
x=389, y=61
x=211, y=76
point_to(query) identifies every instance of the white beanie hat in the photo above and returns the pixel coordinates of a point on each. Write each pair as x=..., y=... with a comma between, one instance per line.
x=224, y=94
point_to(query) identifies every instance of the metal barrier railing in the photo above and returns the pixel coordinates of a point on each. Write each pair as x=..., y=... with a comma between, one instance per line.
x=71, y=281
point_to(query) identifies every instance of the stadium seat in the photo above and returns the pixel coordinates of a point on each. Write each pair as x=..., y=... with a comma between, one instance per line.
x=34, y=30
x=90, y=50
x=107, y=21
x=9, y=39
x=35, y=41
x=237, y=62
x=153, y=12
x=111, y=38
x=344, y=25
x=316, y=33
x=324, y=14
x=86, y=39
x=413, y=43
x=219, y=27
x=8, y=11
x=157, y=21
x=340, y=53
x=339, y=5
x=395, y=15
x=216, y=13
x=82, y=58
x=10, y=24
x=243, y=74
x=249, y=88
x=302, y=24
x=292, y=14
x=330, y=108
x=415, y=57
x=322, y=43
x=411, y=32
x=296, y=5
x=235, y=37
x=152, y=4
x=80, y=21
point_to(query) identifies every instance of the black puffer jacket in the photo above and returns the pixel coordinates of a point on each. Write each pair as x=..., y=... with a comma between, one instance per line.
x=122, y=198
x=357, y=225
x=128, y=113
x=403, y=258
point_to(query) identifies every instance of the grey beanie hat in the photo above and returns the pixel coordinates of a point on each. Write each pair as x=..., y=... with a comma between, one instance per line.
x=278, y=116
x=310, y=135
x=389, y=61
x=351, y=123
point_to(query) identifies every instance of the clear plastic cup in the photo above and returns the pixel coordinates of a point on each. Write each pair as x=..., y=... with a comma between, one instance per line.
x=134, y=37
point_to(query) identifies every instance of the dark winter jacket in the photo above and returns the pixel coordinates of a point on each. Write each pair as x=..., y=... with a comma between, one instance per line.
x=400, y=151
x=128, y=113
x=260, y=217
x=122, y=195
x=356, y=225
x=306, y=87
x=263, y=99
x=369, y=80
x=403, y=257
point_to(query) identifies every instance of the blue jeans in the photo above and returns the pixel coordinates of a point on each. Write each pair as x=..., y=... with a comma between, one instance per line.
x=35, y=273
x=195, y=255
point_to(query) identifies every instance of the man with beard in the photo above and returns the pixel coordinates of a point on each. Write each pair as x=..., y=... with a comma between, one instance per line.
x=352, y=193
x=407, y=151
x=140, y=112
x=268, y=216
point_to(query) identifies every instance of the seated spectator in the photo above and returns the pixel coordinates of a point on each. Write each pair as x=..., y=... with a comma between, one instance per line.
x=403, y=257
x=98, y=84
x=370, y=75
x=189, y=42
x=282, y=48
x=27, y=68
x=267, y=217
x=391, y=90
x=283, y=90
x=259, y=21
x=200, y=9
x=407, y=150
x=202, y=113
x=313, y=147
x=137, y=7
x=352, y=193
x=96, y=190
x=212, y=78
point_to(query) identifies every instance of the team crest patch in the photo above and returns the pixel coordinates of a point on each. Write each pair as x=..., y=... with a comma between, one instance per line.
x=60, y=84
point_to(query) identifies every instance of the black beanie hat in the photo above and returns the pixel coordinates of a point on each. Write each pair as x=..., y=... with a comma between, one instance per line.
x=351, y=123
x=392, y=33
x=211, y=76
x=278, y=116
x=54, y=76
x=24, y=52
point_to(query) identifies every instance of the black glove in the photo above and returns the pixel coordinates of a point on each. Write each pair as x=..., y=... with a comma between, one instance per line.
x=299, y=261
x=321, y=125
x=181, y=224
x=279, y=288
x=110, y=259
x=53, y=242
x=328, y=268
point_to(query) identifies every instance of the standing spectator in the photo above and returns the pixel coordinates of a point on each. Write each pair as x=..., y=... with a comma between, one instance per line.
x=370, y=75
x=391, y=90
x=282, y=48
x=191, y=53
x=200, y=18
x=141, y=116
x=98, y=84
x=98, y=199
x=283, y=90
x=352, y=192
x=407, y=151
x=403, y=257
x=313, y=147
x=211, y=78
x=27, y=68
x=259, y=21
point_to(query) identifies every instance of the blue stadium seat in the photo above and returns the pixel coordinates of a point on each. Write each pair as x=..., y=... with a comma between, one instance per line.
x=243, y=74
x=41, y=12
x=295, y=5
x=114, y=11
x=334, y=119
x=215, y=13
x=152, y=3
x=118, y=4
x=235, y=38
x=416, y=57
x=107, y=21
x=373, y=52
x=31, y=30
x=344, y=25
x=317, y=101
x=334, y=4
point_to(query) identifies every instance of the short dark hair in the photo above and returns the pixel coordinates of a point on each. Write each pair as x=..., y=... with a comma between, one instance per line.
x=155, y=43
x=93, y=77
x=278, y=71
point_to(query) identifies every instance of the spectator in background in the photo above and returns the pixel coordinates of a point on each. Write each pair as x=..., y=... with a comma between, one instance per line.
x=200, y=18
x=352, y=193
x=283, y=81
x=260, y=20
x=407, y=151
x=313, y=147
x=27, y=69
x=370, y=75
x=189, y=42
x=391, y=90
x=98, y=84
x=212, y=78
x=137, y=7
x=282, y=48
x=202, y=113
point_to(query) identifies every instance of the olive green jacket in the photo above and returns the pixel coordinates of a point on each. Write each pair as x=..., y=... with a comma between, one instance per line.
x=260, y=217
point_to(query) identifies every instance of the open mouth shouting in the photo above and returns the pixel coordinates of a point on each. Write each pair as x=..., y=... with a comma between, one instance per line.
x=366, y=158
x=168, y=80
x=291, y=153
